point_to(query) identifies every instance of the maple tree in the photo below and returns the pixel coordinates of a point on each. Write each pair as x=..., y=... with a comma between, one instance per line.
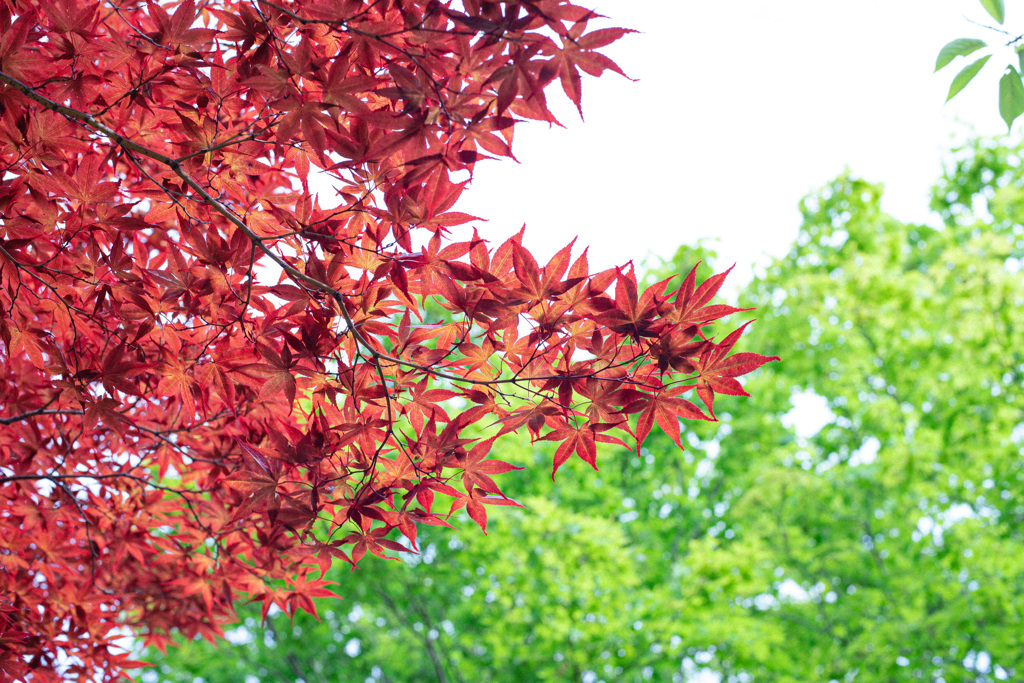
x=215, y=386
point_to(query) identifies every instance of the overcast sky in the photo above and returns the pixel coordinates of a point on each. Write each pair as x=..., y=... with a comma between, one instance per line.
x=740, y=108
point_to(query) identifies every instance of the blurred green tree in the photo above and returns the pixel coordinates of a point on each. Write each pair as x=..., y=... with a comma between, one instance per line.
x=860, y=521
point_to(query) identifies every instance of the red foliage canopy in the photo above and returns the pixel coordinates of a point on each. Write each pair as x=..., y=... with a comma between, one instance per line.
x=212, y=385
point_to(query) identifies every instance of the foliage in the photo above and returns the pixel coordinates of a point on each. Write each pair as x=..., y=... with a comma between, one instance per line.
x=214, y=384
x=882, y=544
x=899, y=519
x=1011, y=87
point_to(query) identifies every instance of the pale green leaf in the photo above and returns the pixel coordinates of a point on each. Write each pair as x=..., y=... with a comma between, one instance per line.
x=957, y=48
x=961, y=80
x=1011, y=96
x=995, y=8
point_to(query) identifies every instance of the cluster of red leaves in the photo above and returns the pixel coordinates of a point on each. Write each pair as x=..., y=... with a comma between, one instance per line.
x=180, y=425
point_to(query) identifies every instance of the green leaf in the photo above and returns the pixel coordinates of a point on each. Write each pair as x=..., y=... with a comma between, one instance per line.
x=995, y=8
x=1020, y=56
x=1011, y=96
x=958, y=48
x=961, y=80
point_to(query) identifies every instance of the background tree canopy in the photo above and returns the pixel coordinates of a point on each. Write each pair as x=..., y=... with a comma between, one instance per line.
x=885, y=545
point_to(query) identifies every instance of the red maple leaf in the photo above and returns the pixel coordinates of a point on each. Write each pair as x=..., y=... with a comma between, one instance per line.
x=581, y=440
x=666, y=407
x=476, y=469
x=717, y=370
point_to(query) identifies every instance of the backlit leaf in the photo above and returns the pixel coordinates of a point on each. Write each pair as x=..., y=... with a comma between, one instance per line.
x=995, y=8
x=1011, y=96
x=957, y=48
x=961, y=80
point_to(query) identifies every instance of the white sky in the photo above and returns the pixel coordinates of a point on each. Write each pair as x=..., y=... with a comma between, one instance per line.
x=739, y=110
